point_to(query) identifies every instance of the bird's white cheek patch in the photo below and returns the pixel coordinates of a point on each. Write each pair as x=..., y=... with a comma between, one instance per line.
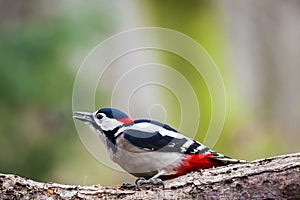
x=110, y=124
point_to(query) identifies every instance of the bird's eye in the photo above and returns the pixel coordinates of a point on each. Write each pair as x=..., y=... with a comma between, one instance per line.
x=99, y=116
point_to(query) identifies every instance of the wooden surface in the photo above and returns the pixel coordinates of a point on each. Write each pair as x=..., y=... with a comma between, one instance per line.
x=271, y=178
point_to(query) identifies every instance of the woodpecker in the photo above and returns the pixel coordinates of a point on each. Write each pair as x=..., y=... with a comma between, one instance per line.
x=148, y=149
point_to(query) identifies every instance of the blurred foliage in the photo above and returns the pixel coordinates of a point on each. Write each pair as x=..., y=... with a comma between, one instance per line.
x=201, y=21
x=36, y=84
x=35, y=92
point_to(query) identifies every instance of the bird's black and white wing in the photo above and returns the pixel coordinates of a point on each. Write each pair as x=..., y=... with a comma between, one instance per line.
x=155, y=136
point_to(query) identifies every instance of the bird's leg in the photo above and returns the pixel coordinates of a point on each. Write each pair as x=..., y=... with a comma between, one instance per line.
x=153, y=180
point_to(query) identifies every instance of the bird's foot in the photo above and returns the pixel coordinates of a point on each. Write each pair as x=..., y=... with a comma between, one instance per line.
x=154, y=181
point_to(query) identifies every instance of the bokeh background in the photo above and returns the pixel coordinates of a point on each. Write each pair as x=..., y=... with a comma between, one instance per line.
x=255, y=45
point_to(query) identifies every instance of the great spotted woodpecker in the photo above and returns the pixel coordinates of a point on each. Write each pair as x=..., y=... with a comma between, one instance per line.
x=149, y=149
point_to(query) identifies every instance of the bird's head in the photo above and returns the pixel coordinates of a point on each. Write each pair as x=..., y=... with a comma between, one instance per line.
x=106, y=119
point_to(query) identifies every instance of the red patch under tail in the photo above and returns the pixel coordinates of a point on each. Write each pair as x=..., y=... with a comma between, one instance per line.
x=195, y=162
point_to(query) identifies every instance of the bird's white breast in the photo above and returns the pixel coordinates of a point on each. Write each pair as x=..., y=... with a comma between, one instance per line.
x=136, y=160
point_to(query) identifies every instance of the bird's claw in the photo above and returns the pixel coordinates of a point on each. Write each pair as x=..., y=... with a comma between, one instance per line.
x=140, y=181
x=155, y=181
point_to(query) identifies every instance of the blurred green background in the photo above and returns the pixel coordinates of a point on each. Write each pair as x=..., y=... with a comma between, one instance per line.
x=42, y=44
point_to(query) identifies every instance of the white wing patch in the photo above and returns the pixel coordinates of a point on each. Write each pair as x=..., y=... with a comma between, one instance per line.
x=186, y=145
x=148, y=127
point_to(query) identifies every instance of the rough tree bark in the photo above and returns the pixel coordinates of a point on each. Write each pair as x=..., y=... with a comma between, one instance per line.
x=271, y=178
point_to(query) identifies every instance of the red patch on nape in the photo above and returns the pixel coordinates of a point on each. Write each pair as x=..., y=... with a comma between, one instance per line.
x=126, y=120
x=194, y=162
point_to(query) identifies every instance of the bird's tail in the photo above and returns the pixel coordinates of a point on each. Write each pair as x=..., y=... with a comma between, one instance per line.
x=225, y=160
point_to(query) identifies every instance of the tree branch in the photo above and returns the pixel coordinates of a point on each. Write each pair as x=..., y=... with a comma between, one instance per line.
x=271, y=178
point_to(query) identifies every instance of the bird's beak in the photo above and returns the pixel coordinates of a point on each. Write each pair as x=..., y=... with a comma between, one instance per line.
x=84, y=116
